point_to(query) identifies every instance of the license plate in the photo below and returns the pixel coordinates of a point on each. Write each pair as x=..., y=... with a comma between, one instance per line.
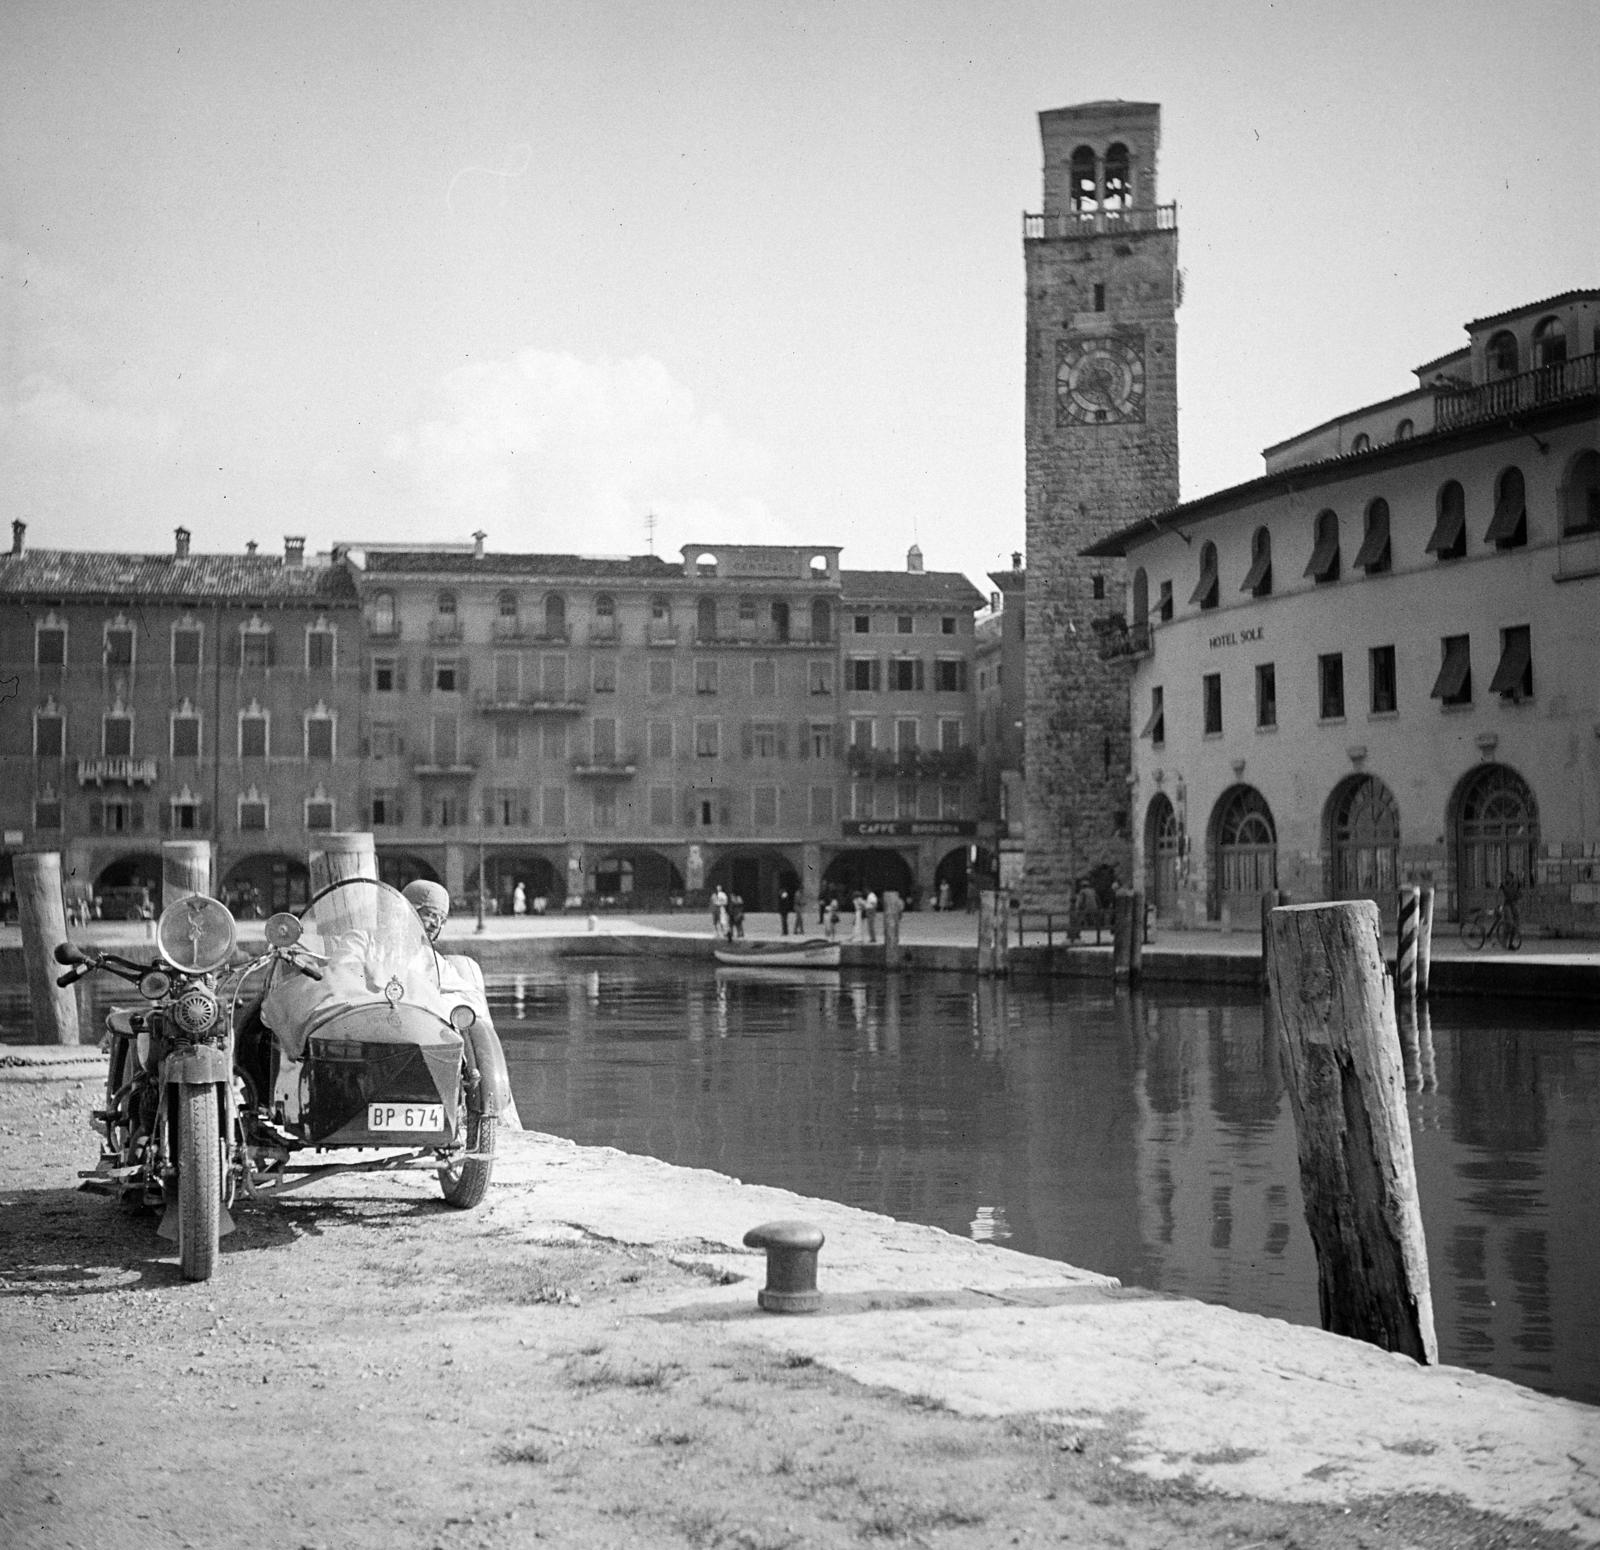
x=405, y=1116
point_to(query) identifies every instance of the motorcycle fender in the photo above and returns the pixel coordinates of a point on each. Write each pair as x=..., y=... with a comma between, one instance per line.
x=201, y=1063
x=494, y=1081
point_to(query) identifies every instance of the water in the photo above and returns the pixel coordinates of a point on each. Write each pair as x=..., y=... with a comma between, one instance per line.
x=1149, y=1137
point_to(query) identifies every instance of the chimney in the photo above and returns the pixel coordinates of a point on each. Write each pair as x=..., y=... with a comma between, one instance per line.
x=1016, y=559
x=294, y=551
x=477, y=544
x=250, y=548
x=914, y=560
x=19, y=532
x=181, y=543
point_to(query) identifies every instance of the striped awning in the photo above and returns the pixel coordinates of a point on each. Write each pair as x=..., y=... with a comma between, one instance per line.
x=1456, y=670
x=1516, y=653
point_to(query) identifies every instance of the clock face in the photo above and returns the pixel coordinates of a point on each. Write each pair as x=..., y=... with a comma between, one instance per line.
x=1100, y=381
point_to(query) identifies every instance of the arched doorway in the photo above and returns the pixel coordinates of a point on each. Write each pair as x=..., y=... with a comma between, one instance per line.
x=869, y=871
x=1363, y=841
x=1243, y=846
x=540, y=877
x=950, y=879
x=1494, y=830
x=398, y=869
x=121, y=887
x=1161, y=856
x=756, y=874
x=261, y=885
x=640, y=879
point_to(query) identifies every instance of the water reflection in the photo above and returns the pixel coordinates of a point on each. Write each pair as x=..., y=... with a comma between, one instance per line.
x=1147, y=1136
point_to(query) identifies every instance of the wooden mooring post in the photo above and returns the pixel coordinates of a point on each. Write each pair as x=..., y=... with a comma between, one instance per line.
x=42, y=915
x=1335, y=1015
x=1424, y=938
x=1127, y=938
x=185, y=869
x=993, y=932
x=339, y=856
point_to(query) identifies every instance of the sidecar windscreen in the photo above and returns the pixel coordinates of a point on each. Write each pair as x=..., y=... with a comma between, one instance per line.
x=362, y=921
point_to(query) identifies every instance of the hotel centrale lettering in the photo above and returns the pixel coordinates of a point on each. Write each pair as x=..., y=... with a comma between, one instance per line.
x=1239, y=637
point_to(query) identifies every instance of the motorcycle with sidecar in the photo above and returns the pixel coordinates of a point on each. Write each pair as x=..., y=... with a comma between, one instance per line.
x=339, y=1038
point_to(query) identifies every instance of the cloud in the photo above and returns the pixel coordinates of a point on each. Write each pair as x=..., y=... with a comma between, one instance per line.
x=552, y=452
x=56, y=414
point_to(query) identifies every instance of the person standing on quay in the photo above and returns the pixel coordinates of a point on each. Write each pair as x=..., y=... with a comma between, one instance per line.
x=785, y=905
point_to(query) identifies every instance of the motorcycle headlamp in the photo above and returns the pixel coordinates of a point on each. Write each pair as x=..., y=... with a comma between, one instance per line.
x=195, y=1011
x=196, y=934
x=462, y=1017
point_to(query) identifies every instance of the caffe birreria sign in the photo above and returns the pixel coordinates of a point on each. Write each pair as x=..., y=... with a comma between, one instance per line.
x=1239, y=637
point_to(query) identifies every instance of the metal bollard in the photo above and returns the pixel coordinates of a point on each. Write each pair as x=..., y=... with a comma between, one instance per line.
x=791, y=1265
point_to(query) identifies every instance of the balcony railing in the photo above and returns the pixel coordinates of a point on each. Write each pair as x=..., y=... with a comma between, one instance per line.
x=491, y=704
x=946, y=763
x=1091, y=223
x=1527, y=390
x=463, y=766
x=616, y=766
x=1117, y=641
x=118, y=770
x=444, y=629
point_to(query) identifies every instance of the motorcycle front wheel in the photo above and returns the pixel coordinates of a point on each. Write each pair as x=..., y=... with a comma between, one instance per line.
x=199, y=1182
x=465, y=1179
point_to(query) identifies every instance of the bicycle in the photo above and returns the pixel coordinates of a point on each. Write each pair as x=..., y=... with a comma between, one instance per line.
x=1484, y=925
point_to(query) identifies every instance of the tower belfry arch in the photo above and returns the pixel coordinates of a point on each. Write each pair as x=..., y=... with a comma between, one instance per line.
x=1102, y=450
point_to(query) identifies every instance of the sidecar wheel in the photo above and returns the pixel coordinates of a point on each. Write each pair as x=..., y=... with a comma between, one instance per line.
x=199, y=1183
x=465, y=1180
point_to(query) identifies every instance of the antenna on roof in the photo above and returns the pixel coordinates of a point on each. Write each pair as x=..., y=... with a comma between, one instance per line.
x=650, y=529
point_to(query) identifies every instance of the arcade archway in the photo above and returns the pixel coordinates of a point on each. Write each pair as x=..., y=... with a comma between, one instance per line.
x=261, y=885
x=1243, y=846
x=1363, y=841
x=398, y=869
x=1161, y=852
x=637, y=877
x=755, y=873
x=140, y=870
x=1494, y=831
x=951, y=878
x=540, y=877
x=873, y=871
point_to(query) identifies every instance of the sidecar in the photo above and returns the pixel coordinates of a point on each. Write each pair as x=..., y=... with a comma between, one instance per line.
x=352, y=1044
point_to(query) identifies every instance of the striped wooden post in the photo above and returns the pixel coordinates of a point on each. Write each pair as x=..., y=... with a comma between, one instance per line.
x=340, y=856
x=1424, y=939
x=1405, y=958
x=185, y=869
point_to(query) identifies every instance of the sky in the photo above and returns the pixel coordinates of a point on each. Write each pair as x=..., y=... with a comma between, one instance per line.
x=556, y=268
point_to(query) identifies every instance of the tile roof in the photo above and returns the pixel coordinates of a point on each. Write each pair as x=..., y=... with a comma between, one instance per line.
x=423, y=562
x=244, y=578
x=909, y=586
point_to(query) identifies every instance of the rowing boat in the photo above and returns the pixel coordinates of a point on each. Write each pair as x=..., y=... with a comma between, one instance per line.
x=813, y=952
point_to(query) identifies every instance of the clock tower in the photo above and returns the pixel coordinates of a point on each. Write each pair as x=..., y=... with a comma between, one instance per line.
x=1102, y=451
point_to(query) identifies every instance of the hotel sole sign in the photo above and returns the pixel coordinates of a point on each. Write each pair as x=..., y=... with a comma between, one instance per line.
x=908, y=828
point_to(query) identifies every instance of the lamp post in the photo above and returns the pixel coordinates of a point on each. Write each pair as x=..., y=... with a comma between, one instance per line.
x=480, y=870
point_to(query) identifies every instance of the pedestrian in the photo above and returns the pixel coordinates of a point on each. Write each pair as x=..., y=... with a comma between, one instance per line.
x=735, y=916
x=944, y=896
x=858, y=903
x=719, y=912
x=519, y=900
x=785, y=905
x=830, y=920
x=1086, y=906
x=869, y=909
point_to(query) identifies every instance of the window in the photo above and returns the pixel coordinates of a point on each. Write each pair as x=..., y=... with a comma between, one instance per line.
x=661, y=614
x=1501, y=354
x=553, y=677
x=1509, y=527
x=1449, y=538
x=186, y=645
x=660, y=677
x=183, y=813
x=444, y=607
x=903, y=624
x=1404, y=431
x=1155, y=728
x=319, y=735
x=507, y=677
x=603, y=739
x=119, y=644
x=863, y=733
x=319, y=649
x=905, y=799
x=603, y=674
x=319, y=812
x=388, y=675
x=747, y=614
x=764, y=740
x=605, y=616
x=384, y=741
x=951, y=804
x=661, y=740
x=1373, y=555
x=764, y=807
x=1330, y=686
x=1266, y=694
x=1580, y=495
x=1084, y=181
x=907, y=732
x=947, y=624
x=705, y=675
x=1164, y=603
x=1381, y=678
x=949, y=734
x=763, y=678
x=1097, y=587
x=508, y=807
x=1099, y=297
x=449, y=675
x=1362, y=443
x=705, y=619
x=1549, y=342
x=50, y=645
x=950, y=676
x=603, y=809
x=1205, y=590
x=116, y=815
x=507, y=741
x=861, y=624
x=47, y=810
x=905, y=674
x=819, y=677
x=821, y=620
x=707, y=739
x=1324, y=563
x=555, y=616
x=1258, y=579
x=185, y=742
x=822, y=740
x=1141, y=600
x=116, y=734
x=555, y=807
x=1119, y=179
x=1453, y=686
x=446, y=739
x=255, y=645
x=821, y=806
x=252, y=810
x=553, y=740
x=381, y=617
x=780, y=621
x=1513, y=677
x=508, y=612
x=863, y=673
x=661, y=807
x=1211, y=698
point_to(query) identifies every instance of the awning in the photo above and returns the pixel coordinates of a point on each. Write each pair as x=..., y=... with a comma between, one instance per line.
x=1153, y=727
x=1515, y=656
x=1510, y=513
x=1324, y=564
x=1456, y=671
x=1206, y=586
x=1260, y=572
x=1447, y=530
x=1374, y=551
